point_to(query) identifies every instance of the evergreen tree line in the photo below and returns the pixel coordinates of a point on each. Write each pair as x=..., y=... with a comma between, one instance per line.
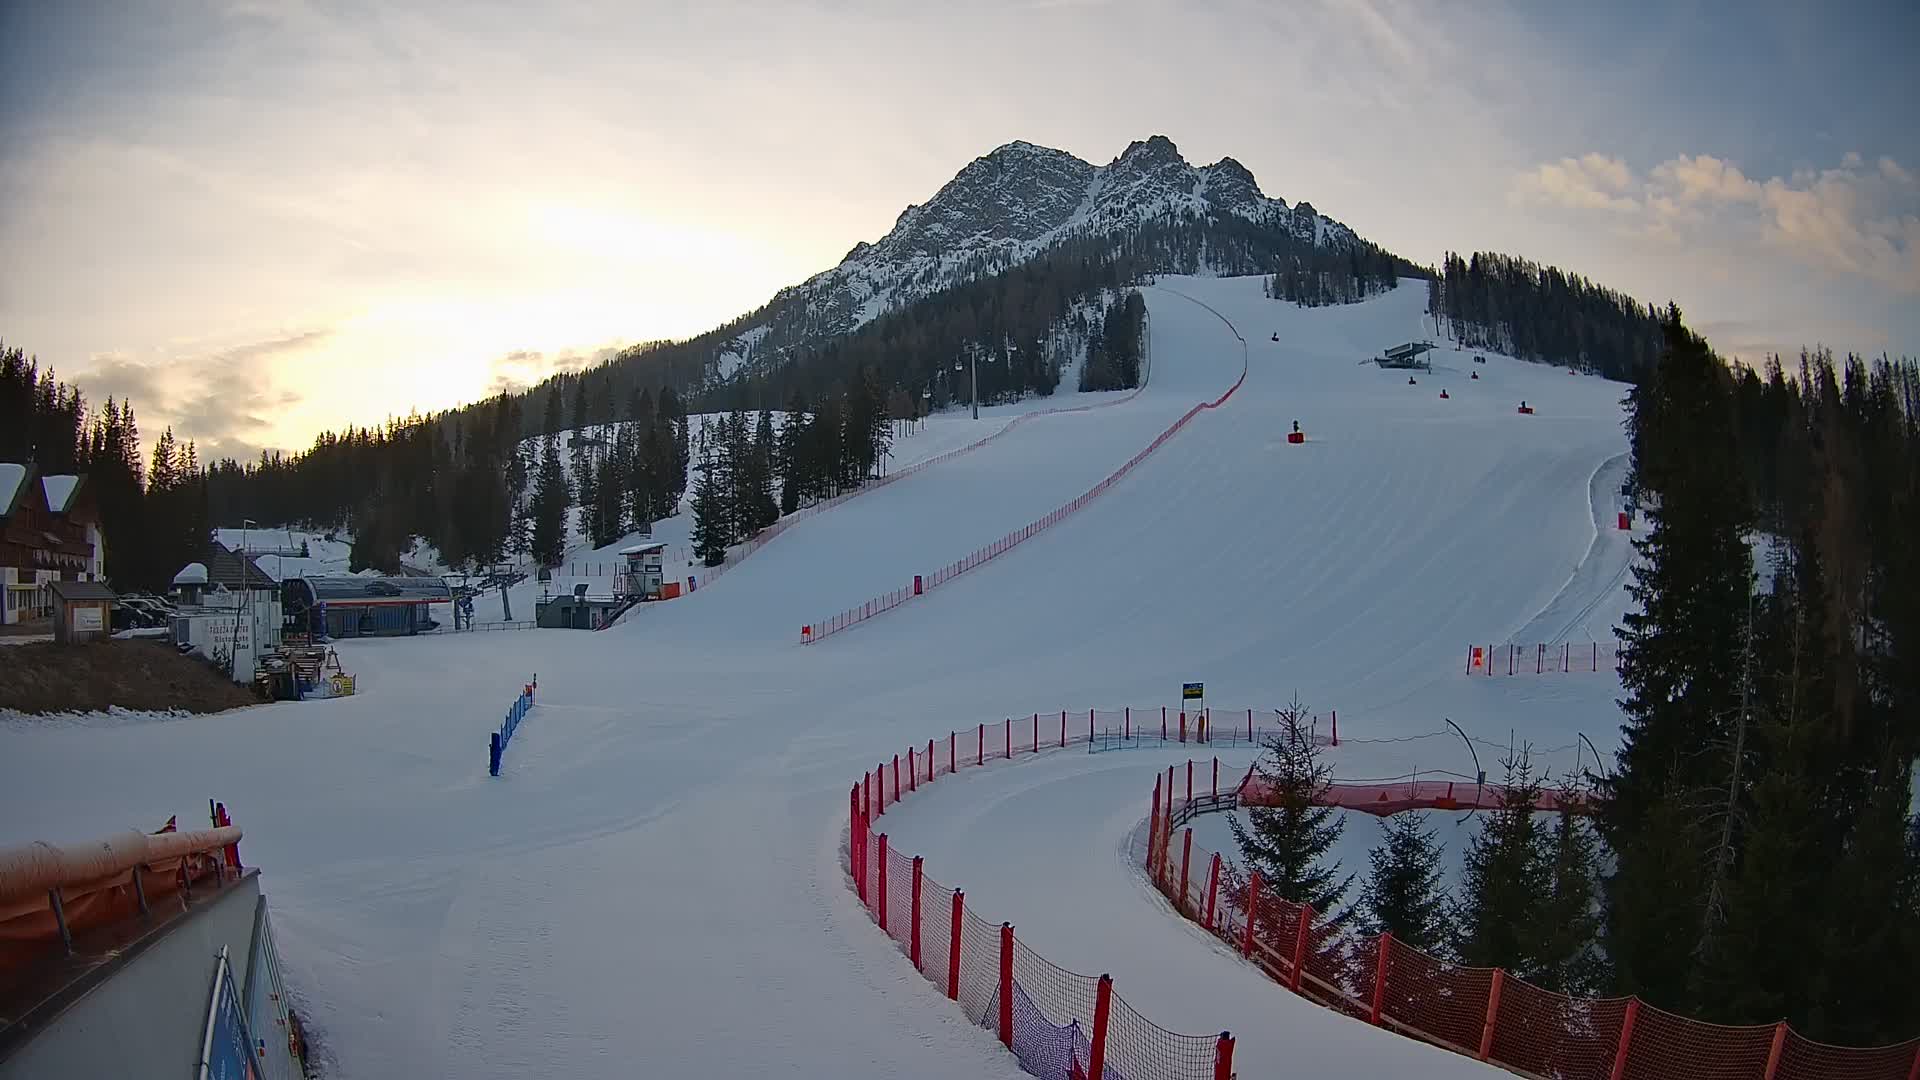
x=1767, y=860
x=1115, y=346
x=1756, y=855
x=1518, y=307
x=626, y=476
x=465, y=481
x=1323, y=276
x=153, y=521
x=750, y=478
x=1529, y=893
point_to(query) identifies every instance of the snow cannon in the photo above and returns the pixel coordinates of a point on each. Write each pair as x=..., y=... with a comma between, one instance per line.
x=1526, y=409
x=1443, y=395
x=1296, y=436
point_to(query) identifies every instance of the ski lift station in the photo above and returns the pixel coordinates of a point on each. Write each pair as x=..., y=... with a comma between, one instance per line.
x=1409, y=355
x=342, y=606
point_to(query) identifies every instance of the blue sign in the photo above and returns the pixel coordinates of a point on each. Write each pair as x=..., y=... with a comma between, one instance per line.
x=227, y=1053
x=1192, y=690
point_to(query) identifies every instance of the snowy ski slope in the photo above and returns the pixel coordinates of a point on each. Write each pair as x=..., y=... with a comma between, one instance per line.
x=652, y=886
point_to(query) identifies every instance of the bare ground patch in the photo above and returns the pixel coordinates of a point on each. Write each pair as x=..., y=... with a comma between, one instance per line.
x=42, y=677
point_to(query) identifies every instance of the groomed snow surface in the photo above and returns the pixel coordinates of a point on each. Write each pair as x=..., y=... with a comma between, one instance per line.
x=654, y=885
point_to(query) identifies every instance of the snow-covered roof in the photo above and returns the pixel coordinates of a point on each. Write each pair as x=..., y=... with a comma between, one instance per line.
x=59, y=491
x=194, y=573
x=258, y=540
x=282, y=567
x=642, y=549
x=12, y=474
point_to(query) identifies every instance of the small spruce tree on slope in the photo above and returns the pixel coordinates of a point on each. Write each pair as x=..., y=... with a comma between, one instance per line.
x=1403, y=894
x=1570, y=957
x=1506, y=882
x=1288, y=844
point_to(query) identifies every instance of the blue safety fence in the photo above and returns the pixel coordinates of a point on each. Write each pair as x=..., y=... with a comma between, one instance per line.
x=497, y=742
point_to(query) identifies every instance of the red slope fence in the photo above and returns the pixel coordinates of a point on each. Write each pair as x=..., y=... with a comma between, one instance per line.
x=1484, y=1013
x=706, y=576
x=1542, y=659
x=1059, y=1024
x=853, y=616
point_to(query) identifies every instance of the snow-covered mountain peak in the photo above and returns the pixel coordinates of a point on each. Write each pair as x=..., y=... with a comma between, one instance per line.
x=1013, y=204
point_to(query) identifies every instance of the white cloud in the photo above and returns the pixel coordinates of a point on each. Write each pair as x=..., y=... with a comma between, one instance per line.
x=1588, y=182
x=1853, y=220
x=1703, y=178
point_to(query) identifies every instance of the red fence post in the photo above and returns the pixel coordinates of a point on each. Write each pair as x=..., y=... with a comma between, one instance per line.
x=1336, y=727
x=1253, y=912
x=856, y=865
x=883, y=881
x=1189, y=781
x=1380, y=976
x=1626, y=1040
x=1183, y=725
x=1493, y=1013
x=953, y=762
x=1223, y=1057
x=1153, y=828
x=1036, y=733
x=1213, y=887
x=880, y=790
x=1249, y=725
x=1009, y=734
x=1216, y=778
x=896, y=776
x=913, y=773
x=1089, y=727
x=1006, y=985
x=933, y=769
x=1063, y=726
x=982, y=758
x=1126, y=723
x=1102, y=1002
x=1186, y=858
x=913, y=942
x=953, y=945
x=1773, y=1052
x=1300, y=936
x=1163, y=723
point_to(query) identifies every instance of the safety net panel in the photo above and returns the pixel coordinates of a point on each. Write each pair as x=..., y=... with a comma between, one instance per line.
x=1045, y=1049
x=1139, y=1049
x=1437, y=999
x=1804, y=1059
x=1549, y=1034
x=936, y=931
x=1060, y=995
x=899, y=897
x=1340, y=968
x=1665, y=1045
x=979, y=968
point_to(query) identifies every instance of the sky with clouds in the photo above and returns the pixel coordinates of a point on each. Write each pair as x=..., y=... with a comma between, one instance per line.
x=261, y=218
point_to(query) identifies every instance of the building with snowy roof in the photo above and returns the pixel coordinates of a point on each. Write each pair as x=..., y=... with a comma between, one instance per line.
x=344, y=606
x=49, y=531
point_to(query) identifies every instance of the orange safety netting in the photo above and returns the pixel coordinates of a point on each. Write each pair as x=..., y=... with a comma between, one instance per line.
x=1051, y=1013
x=1532, y=1031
